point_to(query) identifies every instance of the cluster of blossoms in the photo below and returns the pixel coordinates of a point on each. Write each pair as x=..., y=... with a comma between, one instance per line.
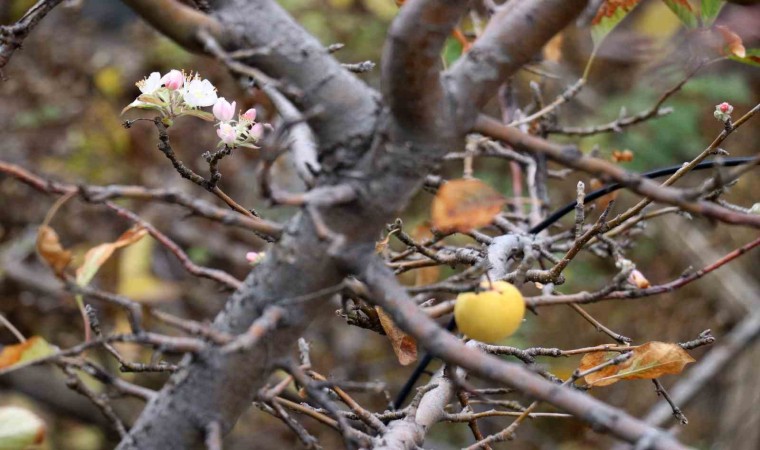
x=723, y=111
x=178, y=94
x=243, y=132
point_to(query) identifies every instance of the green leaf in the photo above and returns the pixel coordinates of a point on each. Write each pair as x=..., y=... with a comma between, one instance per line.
x=452, y=50
x=140, y=105
x=20, y=429
x=752, y=57
x=207, y=116
x=152, y=99
x=710, y=10
x=610, y=13
x=684, y=11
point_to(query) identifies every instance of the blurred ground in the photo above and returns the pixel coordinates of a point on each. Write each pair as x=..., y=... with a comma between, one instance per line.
x=60, y=116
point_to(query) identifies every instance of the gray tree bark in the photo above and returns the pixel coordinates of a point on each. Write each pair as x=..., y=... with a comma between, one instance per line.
x=380, y=148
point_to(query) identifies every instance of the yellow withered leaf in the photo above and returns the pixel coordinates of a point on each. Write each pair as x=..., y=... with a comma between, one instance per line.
x=649, y=361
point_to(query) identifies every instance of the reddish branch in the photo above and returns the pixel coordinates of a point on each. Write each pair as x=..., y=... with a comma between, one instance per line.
x=217, y=275
x=97, y=194
x=591, y=297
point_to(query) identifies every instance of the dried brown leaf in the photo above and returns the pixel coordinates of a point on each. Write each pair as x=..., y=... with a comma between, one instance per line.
x=380, y=246
x=50, y=249
x=465, y=204
x=649, y=361
x=734, y=45
x=404, y=345
x=427, y=275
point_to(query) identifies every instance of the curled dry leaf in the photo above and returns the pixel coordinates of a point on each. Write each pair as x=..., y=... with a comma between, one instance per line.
x=649, y=361
x=50, y=249
x=380, y=246
x=404, y=345
x=31, y=349
x=464, y=205
x=98, y=255
x=734, y=45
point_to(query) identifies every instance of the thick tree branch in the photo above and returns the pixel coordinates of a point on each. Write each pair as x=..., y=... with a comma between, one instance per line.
x=288, y=53
x=393, y=298
x=176, y=20
x=388, y=156
x=294, y=57
x=515, y=34
x=411, y=60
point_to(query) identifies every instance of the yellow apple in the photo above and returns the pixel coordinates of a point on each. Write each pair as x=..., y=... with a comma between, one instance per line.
x=492, y=314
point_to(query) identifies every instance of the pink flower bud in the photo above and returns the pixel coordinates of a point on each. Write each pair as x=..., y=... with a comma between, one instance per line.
x=226, y=132
x=723, y=112
x=250, y=115
x=173, y=80
x=638, y=279
x=257, y=131
x=255, y=257
x=224, y=110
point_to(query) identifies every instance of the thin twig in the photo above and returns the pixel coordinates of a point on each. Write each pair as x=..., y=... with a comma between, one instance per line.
x=217, y=275
x=5, y=322
x=12, y=36
x=98, y=194
x=677, y=413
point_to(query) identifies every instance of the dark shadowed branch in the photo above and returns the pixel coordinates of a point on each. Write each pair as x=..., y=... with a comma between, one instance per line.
x=12, y=36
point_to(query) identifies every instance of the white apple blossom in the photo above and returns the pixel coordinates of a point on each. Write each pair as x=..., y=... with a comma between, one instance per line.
x=199, y=93
x=151, y=84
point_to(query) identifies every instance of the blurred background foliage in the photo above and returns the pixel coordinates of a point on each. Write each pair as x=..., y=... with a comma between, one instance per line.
x=60, y=116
